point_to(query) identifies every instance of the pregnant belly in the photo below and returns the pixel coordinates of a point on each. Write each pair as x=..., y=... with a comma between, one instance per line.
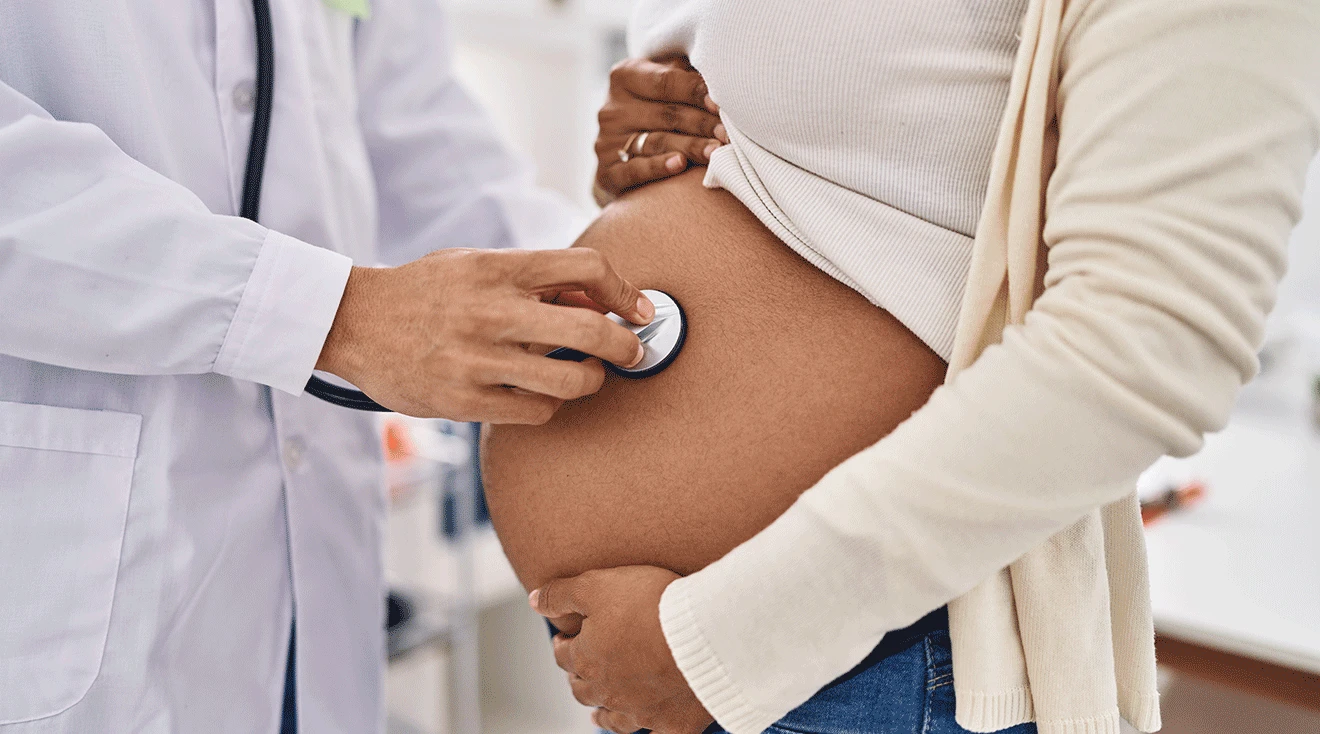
x=786, y=373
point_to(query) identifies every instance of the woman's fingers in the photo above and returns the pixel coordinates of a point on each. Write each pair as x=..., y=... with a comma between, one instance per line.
x=622, y=116
x=656, y=109
x=562, y=645
x=657, y=156
x=637, y=171
x=696, y=149
x=614, y=721
x=677, y=118
x=666, y=82
x=583, y=691
x=564, y=326
x=569, y=624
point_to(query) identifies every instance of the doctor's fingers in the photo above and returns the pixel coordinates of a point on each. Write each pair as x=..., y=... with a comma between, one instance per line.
x=589, y=271
x=619, y=177
x=576, y=328
x=558, y=379
x=577, y=299
x=503, y=405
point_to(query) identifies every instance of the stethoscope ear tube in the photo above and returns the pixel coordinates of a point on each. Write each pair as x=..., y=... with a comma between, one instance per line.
x=255, y=171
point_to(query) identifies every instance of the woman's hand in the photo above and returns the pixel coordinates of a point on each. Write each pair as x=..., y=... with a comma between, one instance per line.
x=658, y=119
x=612, y=646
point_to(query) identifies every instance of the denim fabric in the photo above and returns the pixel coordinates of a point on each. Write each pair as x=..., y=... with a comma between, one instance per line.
x=907, y=692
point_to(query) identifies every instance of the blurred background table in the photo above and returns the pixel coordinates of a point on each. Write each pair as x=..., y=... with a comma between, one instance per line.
x=1235, y=580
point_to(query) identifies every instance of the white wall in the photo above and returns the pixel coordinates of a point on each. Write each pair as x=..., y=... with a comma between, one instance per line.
x=1301, y=287
x=541, y=67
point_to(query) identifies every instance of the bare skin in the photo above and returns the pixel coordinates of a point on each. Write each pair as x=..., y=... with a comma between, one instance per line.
x=785, y=374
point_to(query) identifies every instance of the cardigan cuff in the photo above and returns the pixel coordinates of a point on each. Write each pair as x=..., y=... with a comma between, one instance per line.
x=1105, y=724
x=986, y=711
x=704, y=672
x=1143, y=713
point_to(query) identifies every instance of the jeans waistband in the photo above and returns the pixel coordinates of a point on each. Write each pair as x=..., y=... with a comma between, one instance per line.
x=898, y=641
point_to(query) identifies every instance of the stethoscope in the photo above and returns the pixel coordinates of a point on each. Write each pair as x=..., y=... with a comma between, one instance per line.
x=662, y=339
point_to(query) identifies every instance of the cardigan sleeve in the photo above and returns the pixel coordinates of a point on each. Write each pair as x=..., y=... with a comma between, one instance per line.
x=1186, y=127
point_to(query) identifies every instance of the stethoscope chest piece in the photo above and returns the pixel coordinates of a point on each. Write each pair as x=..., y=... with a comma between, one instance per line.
x=662, y=339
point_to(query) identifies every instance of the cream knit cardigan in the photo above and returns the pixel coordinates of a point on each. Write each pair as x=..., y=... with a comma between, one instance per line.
x=1114, y=306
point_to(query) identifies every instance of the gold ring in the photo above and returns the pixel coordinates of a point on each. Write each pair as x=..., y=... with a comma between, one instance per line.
x=624, y=155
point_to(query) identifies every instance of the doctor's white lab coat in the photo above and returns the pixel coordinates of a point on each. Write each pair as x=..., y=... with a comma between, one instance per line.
x=165, y=513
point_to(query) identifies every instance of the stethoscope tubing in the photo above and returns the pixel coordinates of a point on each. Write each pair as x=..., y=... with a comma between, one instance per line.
x=255, y=172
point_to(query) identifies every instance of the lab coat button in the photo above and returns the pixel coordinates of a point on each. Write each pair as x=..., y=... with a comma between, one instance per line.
x=245, y=97
x=293, y=453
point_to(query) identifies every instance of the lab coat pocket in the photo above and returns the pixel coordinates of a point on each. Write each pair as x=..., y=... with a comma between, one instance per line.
x=65, y=477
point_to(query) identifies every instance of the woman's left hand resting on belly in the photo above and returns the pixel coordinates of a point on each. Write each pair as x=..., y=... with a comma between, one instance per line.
x=658, y=120
x=611, y=645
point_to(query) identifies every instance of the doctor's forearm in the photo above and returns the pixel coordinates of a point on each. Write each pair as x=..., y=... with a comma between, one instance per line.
x=108, y=266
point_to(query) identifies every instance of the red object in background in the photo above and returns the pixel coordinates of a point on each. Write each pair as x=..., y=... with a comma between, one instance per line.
x=398, y=443
x=1172, y=499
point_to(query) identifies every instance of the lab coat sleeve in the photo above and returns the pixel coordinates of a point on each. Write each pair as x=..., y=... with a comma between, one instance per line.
x=444, y=178
x=108, y=266
x=1185, y=133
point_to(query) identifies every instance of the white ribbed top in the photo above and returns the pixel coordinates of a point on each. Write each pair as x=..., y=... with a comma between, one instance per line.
x=861, y=131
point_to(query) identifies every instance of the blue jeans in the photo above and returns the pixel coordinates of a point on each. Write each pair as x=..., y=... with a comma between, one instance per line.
x=904, y=687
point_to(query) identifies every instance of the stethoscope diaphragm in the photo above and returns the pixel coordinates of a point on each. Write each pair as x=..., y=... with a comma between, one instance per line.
x=662, y=339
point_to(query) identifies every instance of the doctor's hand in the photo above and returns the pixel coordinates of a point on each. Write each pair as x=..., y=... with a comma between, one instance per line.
x=658, y=119
x=614, y=650
x=446, y=336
